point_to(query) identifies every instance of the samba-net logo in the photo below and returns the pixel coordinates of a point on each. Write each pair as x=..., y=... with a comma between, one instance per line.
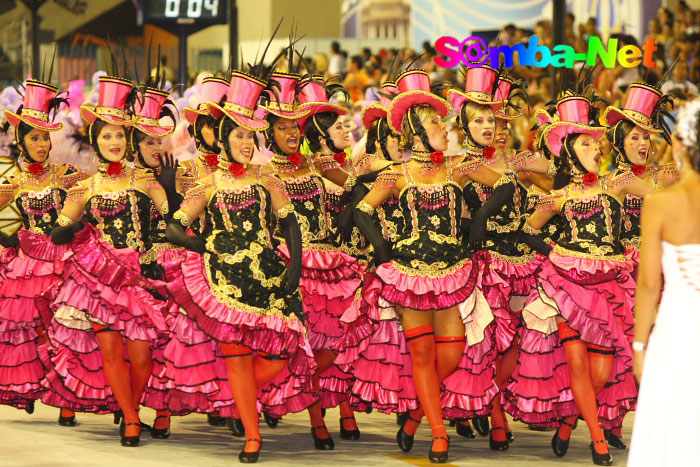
x=473, y=52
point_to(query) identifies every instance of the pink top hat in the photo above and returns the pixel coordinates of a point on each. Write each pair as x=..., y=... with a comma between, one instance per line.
x=480, y=86
x=285, y=107
x=111, y=103
x=213, y=89
x=243, y=95
x=35, y=110
x=414, y=89
x=313, y=97
x=372, y=112
x=639, y=107
x=574, y=117
x=503, y=89
x=147, y=113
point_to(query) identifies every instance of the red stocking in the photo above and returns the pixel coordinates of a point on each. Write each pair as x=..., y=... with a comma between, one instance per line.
x=239, y=360
x=421, y=344
x=581, y=384
x=315, y=414
x=266, y=368
x=141, y=367
x=117, y=373
x=504, y=368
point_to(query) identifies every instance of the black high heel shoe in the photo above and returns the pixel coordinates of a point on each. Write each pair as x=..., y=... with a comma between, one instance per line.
x=498, y=445
x=250, y=457
x=326, y=444
x=439, y=457
x=401, y=418
x=348, y=434
x=130, y=441
x=405, y=441
x=509, y=436
x=160, y=433
x=270, y=420
x=66, y=421
x=236, y=427
x=481, y=425
x=560, y=446
x=29, y=408
x=600, y=459
x=118, y=416
x=215, y=420
x=614, y=440
x=464, y=431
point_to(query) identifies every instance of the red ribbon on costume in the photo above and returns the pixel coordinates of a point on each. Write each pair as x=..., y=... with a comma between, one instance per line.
x=115, y=168
x=212, y=160
x=638, y=169
x=489, y=152
x=236, y=169
x=590, y=178
x=437, y=157
x=340, y=157
x=294, y=158
x=35, y=168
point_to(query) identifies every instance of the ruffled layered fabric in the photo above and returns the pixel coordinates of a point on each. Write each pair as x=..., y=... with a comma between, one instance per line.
x=329, y=280
x=374, y=349
x=102, y=285
x=193, y=357
x=595, y=297
x=26, y=272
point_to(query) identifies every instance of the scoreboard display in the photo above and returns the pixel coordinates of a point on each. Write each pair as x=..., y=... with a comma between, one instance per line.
x=184, y=11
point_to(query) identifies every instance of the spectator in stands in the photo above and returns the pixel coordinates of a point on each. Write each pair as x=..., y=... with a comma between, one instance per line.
x=680, y=81
x=338, y=64
x=356, y=79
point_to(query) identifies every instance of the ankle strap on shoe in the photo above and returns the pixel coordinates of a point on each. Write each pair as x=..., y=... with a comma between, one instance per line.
x=564, y=422
x=342, y=419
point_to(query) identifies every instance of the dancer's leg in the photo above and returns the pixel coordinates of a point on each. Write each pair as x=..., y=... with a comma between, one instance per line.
x=241, y=377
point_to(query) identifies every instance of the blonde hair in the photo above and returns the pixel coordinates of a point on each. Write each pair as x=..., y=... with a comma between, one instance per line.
x=470, y=111
x=407, y=129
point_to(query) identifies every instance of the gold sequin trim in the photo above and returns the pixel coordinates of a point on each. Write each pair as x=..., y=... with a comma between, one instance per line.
x=528, y=229
x=349, y=182
x=184, y=219
x=595, y=252
x=365, y=207
x=433, y=271
x=64, y=220
x=285, y=210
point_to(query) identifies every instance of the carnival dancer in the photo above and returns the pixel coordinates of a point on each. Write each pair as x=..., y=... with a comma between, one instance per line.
x=30, y=261
x=194, y=391
x=643, y=113
x=104, y=298
x=585, y=289
x=429, y=277
x=510, y=271
x=233, y=284
x=329, y=276
x=145, y=141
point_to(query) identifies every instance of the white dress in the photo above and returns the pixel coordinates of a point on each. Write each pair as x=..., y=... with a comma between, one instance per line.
x=666, y=426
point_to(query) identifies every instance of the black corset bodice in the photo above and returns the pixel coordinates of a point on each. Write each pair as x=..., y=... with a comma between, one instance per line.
x=308, y=194
x=592, y=226
x=501, y=229
x=552, y=230
x=123, y=218
x=40, y=209
x=631, y=212
x=431, y=238
x=238, y=216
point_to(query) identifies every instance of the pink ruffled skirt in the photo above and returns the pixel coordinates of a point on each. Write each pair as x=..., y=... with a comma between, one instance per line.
x=26, y=273
x=194, y=363
x=595, y=297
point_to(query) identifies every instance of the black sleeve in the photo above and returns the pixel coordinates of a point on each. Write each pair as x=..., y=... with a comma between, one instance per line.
x=292, y=236
x=63, y=235
x=345, y=221
x=499, y=197
x=9, y=241
x=175, y=233
x=382, y=248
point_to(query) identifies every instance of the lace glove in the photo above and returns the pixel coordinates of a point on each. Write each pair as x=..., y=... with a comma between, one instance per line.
x=345, y=221
x=292, y=235
x=362, y=215
x=64, y=234
x=167, y=179
x=477, y=230
x=175, y=233
x=11, y=241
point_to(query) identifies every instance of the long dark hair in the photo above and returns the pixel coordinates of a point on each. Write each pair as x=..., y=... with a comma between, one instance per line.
x=21, y=132
x=195, y=131
x=317, y=127
x=378, y=132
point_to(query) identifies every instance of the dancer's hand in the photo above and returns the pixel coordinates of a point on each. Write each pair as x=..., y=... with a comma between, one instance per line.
x=168, y=171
